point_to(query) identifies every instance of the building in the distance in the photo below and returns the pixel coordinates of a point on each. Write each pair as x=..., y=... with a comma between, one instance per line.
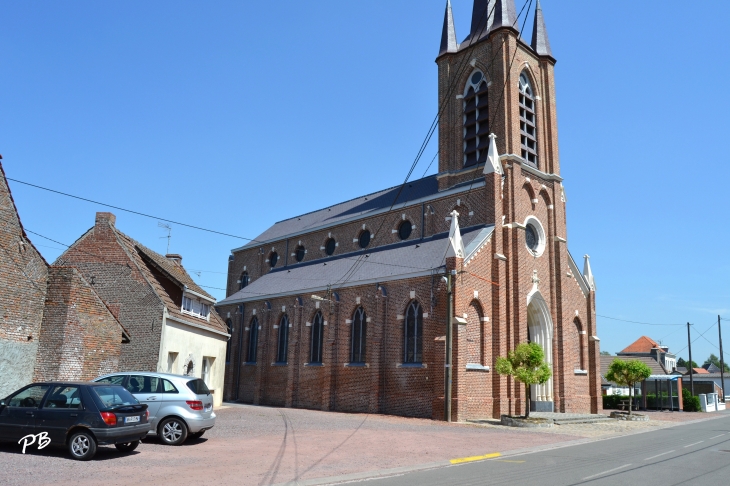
x=648, y=348
x=172, y=319
x=347, y=308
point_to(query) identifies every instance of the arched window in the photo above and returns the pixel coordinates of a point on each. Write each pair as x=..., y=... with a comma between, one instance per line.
x=528, y=130
x=476, y=120
x=283, y=344
x=229, y=325
x=578, y=345
x=357, y=347
x=243, y=283
x=413, y=330
x=475, y=336
x=253, y=340
x=316, y=335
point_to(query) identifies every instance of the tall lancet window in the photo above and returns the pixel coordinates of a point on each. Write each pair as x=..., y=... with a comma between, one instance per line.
x=528, y=130
x=476, y=120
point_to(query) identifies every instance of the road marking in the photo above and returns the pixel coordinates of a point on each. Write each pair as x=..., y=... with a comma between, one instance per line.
x=658, y=455
x=605, y=472
x=716, y=437
x=700, y=442
x=475, y=458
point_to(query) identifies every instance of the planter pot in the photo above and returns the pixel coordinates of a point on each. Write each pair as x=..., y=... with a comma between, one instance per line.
x=523, y=422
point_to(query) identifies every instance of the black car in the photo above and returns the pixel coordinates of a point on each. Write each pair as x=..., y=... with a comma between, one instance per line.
x=80, y=416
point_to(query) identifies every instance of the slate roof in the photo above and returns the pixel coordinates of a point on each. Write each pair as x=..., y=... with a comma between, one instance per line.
x=654, y=365
x=401, y=260
x=358, y=207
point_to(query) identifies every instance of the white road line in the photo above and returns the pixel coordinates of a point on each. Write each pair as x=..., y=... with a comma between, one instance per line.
x=690, y=445
x=658, y=455
x=716, y=437
x=605, y=472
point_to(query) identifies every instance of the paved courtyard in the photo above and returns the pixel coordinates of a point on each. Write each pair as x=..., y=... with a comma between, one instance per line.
x=260, y=445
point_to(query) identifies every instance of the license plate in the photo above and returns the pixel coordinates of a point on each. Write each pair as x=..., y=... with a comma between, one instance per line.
x=129, y=420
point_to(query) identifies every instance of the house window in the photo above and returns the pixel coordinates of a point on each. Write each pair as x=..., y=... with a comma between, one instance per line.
x=196, y=308
x=187, y=304
x=476, y=120
x=316, y=336
x=229, y=325
x=243, y=283
x=359, y=322
x=204, y=310
x=413, y=334
x=206, y=372
x=528, y=130
x=253, y=340
x=283, y=340
x=299, y=253
x=171, y=362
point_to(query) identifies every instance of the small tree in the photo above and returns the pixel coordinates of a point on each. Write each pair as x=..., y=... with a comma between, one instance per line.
x=527, y=365
x=628, y=373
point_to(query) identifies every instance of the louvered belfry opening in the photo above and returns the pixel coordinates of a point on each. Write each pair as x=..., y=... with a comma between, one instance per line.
x=528, y=131
x=476, y=120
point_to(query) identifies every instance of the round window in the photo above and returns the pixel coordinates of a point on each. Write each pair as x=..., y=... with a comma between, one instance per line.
x=364, y=239
x=531, y=237
x=300, y=252
x=405, y=229
x=330, y=246
x=273, y=259
x=476, y=77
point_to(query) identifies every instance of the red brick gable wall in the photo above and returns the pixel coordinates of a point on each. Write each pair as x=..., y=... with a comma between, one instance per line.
x=80, y=338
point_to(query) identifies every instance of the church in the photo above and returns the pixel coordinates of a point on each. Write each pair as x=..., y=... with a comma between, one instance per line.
x=400, y=302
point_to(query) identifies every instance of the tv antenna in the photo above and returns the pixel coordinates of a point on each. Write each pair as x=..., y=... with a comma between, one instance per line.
x=169, y=234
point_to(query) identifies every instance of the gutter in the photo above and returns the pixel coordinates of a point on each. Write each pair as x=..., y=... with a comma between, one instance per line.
x=193, y=324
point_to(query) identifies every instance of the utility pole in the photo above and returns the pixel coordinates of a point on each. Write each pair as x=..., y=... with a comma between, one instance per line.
x=449, y=336
x=722, y=361
x=691, y=370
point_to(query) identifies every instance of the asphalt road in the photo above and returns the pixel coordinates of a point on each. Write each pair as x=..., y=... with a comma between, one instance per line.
x=686, y=454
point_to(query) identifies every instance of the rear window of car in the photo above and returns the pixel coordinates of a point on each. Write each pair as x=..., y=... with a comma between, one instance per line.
x=198, y=387
x=114, y=396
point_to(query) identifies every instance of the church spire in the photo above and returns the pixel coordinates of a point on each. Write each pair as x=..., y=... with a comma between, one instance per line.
x=588, y=273
x=540, y=41
x=488, y=15
x=505, y=15
x=448, y=36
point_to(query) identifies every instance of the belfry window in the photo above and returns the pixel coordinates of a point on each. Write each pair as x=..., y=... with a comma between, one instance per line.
x=528, y=130
x=243, y=283
x=476, y=120
x=315, y=353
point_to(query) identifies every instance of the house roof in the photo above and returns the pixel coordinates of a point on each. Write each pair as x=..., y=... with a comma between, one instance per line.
x=711, y=368
x=642, y=345
x=655, y=366
x=402, y=260
x=398, y=196
x=173, y=270
x=700, y=371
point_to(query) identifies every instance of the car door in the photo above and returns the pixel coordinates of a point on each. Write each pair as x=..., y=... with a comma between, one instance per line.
x=148, y=390
x=18, y=416
x=60, y=411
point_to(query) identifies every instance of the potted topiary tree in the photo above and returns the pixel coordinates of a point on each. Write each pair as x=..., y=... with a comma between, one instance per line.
x=628, y=373
x=525, y=364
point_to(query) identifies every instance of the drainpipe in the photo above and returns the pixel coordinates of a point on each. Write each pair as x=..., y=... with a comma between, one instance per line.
x=449, y=348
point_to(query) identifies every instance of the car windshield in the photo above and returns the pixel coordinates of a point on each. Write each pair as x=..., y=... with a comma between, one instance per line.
x=198, y=387
x=114, y=396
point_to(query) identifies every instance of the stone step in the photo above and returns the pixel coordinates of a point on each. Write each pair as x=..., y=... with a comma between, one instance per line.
x=584, y=420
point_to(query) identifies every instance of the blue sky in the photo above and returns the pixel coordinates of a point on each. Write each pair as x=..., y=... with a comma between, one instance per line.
x=235, y=115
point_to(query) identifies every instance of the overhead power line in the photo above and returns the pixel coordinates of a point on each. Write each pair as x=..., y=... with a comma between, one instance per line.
x=637, y=322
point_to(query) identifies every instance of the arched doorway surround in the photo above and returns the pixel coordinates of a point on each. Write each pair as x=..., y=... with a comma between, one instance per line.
x=540, y=328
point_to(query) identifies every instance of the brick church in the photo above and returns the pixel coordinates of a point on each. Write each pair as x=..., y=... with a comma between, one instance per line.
x=347, y=308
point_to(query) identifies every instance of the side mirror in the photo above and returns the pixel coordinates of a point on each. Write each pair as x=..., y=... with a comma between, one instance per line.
x=2, y=403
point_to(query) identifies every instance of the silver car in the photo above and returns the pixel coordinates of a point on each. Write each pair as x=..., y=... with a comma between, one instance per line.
x=179, y=406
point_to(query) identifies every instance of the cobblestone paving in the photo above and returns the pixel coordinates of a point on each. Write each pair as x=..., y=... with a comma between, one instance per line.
x=259, y=445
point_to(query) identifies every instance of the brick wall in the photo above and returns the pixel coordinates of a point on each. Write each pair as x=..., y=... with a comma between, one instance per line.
x=80, y=338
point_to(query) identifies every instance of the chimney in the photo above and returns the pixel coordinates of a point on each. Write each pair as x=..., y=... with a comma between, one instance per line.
x=175, y=258
x=105, y=218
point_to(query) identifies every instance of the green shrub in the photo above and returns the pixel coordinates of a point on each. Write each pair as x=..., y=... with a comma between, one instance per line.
x=612, y=401
x=691, y=403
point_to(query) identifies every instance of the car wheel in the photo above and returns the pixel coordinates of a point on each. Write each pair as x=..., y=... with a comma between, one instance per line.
x=173, y=431
x=196, y=435
x=127, y=446
x=82, y=446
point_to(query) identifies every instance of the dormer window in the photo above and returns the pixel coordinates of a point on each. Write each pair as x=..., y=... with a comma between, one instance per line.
x=195, y=307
